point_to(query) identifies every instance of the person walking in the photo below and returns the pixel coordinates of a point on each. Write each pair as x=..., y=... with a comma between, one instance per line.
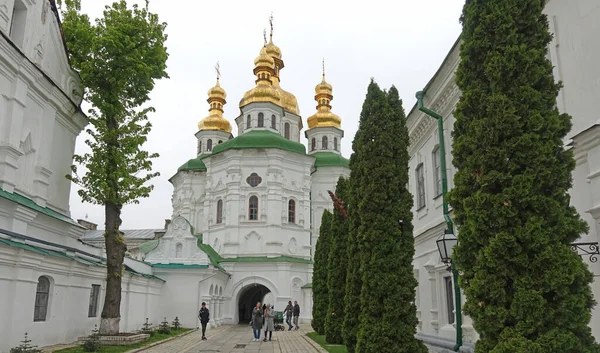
x=289, y=312
x=204, y=316
x=296, y=314
x=269, y=322
x=257, y=321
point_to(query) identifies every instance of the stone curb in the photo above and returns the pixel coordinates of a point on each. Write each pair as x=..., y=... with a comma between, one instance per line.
x=161, y=342
x=313, y=343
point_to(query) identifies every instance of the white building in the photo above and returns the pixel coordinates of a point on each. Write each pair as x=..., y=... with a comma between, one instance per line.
x=246, y=210
x=51, y=284
x=574, y=52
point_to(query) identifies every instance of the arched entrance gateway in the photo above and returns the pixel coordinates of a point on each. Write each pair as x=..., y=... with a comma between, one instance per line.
x=247, y=300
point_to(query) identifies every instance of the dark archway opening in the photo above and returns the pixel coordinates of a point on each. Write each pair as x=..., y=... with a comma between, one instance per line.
x=248, y=299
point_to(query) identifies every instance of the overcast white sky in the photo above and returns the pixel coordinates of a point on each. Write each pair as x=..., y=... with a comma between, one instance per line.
x=399, y=43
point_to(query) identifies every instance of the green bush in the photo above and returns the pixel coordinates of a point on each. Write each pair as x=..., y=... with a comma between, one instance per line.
x=337, y=268
x=319, y=279
x=25, y=347
x=164, y=328
x=388, y=314
x=526, y=291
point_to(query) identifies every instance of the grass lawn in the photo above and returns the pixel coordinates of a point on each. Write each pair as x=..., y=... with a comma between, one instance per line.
x=120, y=349
x=332, y=348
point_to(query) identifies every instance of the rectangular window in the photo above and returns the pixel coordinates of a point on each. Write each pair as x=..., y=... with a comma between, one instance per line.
x=420, y=176
x=18, y=23
x=94, y=294
x=449, y=299
x=437, y=172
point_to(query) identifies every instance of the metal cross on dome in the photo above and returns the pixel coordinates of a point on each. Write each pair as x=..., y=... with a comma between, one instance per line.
x=218, y=70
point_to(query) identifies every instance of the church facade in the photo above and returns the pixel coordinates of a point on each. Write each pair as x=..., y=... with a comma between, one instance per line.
x=246, y=209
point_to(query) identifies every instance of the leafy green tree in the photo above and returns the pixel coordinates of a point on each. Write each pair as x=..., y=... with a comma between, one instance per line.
x=119, y=57
x=337, y=266
x=319, y=278
x=388, y=314
x=526, y=290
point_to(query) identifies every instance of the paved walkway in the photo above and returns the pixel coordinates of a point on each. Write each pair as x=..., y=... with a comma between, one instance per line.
x=238, y=339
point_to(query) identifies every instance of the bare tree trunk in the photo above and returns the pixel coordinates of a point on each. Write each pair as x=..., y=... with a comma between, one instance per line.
x=115, y=253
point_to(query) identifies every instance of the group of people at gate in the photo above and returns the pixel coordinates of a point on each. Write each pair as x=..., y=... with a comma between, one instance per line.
x=265, y=317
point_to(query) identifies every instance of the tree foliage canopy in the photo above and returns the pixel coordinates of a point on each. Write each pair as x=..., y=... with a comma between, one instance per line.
x=319, y=279
x=526, y=290
x=388, y=313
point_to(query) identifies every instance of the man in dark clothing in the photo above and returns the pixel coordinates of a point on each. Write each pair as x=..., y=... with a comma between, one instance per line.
x=296, y=314
x=204, y=317
x=289, y=311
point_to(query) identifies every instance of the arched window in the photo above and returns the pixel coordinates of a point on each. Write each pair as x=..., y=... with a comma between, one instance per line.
x=209, y=145
x=248, y=122
x=42, y=295
x=199, y=146
x=313, y=144
x=219, y=211
x=292, y=211
x=179, y=251
x=261, y=120
x=324, y=143
x=253, y=208
x=335, y=144
x=273, y=122
x=286, y=131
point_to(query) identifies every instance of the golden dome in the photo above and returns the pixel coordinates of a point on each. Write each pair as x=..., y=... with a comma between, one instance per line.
x=273, y=50
x=324, y=117
x=215, y=120
x=264, y=90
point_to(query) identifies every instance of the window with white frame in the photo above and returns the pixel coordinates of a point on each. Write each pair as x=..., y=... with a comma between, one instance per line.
x=42, y=296
x=253, y=208
x=220, y=211
x=292, y=211
x=420, y=177
x=94, y=296
x=437, y=172
x=18, y=23
x=273, y=122
x=261, y=120
x=448, y=291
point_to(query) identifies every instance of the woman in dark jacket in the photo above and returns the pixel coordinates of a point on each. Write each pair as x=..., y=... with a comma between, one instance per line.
x=257, y=321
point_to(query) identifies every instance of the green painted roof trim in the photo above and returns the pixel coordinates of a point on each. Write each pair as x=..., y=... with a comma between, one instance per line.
x=148, y=246
x=29, y=203
x=194, y=164
x=59, y=254
x=260, y=139
x=267, y=259
x=330, y=159
x=177, y=266
x=308, y=285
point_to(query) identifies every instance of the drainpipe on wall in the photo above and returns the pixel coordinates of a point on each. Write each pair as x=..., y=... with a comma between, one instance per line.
x=449, y=224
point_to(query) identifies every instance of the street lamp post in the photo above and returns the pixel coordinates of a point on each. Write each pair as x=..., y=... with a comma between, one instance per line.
x=448, y=240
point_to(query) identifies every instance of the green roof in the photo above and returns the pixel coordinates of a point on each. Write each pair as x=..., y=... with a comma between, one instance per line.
x=27, y=202
x=179, y=266
x=330, y=159
x=308, y=285
x=148, y=246
x=64, y=255
x=195, y=164
x=266, y=259
x=260, y=139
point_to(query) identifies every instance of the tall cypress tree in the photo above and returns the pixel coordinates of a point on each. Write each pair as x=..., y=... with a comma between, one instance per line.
x=388, y=313
x=319, y=278
x=337, y=268
x=526, y=290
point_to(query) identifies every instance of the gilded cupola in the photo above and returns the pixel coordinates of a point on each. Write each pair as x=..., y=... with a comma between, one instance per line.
x=286, y=100
x=216, y=101
x=324, y=117
x=264, y=90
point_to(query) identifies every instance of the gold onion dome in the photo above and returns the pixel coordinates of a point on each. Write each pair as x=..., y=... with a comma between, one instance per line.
x=215, y=120
x=324, y=117
x=264, y=90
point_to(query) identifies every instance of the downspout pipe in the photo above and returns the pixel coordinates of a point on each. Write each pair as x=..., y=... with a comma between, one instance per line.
x=449, y=224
